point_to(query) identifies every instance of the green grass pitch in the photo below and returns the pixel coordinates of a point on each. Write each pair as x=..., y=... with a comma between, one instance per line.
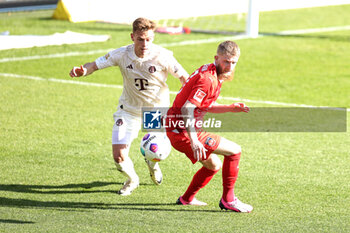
x=56, y=168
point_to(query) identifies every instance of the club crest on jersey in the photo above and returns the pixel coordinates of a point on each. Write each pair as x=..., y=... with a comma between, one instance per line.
x=199, y=96
x=119, y=122
x=210, y=141
x=152, y=69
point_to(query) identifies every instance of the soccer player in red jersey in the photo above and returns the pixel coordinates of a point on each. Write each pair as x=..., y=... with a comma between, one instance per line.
x=196, y=97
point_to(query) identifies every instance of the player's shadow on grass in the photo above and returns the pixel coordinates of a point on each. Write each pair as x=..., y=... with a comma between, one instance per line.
x=14, y=221
x=62, y=189
x=83, y=188
x=86, y=206
x=59, y=189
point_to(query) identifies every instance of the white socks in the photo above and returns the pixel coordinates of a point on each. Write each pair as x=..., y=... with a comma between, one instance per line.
x=127, y=169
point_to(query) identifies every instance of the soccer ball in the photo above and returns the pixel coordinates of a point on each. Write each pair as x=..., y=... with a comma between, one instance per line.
x=155, y=146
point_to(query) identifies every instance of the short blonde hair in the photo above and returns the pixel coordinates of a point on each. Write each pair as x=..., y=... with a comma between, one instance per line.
x=143, y=24
x=228, y=48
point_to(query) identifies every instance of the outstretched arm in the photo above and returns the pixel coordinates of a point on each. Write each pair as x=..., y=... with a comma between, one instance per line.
x=83, y=70
x=222, y=108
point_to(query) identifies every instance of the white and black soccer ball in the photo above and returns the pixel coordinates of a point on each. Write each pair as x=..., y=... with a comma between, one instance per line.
x=155, y=146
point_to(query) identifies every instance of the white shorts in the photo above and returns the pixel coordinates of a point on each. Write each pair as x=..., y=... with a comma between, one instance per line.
x=126, y=127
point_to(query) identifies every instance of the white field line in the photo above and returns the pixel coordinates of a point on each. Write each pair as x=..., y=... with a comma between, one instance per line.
x=55, y=55
x=19, y=76
x=181, y=43
x=314, y=30
x=60, y=80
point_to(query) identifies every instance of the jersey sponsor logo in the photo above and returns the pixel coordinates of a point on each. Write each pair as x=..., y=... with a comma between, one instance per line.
x=210, y=141
x=141, y=83
x=119, y=122
x=199, y=96
x=152, y=69
x=130, y=67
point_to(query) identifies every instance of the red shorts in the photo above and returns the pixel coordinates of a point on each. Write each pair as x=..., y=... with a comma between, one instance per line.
x=181, y=142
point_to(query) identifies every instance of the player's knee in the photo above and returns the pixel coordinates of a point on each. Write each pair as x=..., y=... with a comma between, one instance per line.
x=119, y=153
x=227, y=148
x=213, y=163
x=236, y=149
x=217, y=166
x=118, y=159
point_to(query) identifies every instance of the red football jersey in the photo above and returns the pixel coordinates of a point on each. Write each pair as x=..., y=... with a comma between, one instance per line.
x=202, y=89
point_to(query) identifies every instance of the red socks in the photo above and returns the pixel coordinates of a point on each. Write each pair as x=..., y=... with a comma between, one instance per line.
x=199, y=180
x=203, y=176
x=229, y=176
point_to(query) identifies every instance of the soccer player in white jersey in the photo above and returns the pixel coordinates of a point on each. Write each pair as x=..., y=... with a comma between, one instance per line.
x=144, y=67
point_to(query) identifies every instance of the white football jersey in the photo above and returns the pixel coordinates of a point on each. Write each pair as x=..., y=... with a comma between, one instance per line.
x=144, y=79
